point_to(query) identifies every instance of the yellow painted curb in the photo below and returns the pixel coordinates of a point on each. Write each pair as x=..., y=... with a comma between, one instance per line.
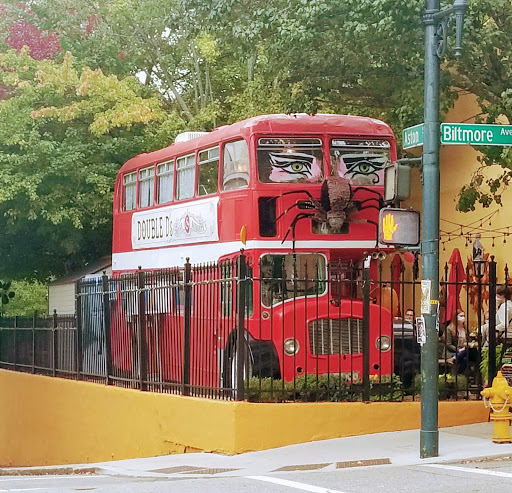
x=48, y=421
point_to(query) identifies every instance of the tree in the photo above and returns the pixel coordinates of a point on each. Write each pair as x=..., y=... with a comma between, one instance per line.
x=6, y=294
x=63, y=136
x=67, y=123
x=485, y=70
x=30, y=298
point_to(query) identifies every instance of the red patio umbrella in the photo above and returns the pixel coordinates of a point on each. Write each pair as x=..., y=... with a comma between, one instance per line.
x=456, y=278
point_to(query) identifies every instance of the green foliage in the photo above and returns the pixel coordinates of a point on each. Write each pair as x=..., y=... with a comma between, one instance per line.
x=327, y=387
x=31, y=297
x=448, y=385
x=66, y=125
x=63, y=136
x=6, y=293
x=484, y=362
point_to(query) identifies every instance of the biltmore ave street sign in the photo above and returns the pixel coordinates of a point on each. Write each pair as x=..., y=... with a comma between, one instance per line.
x=462, y=134
x=484, y=135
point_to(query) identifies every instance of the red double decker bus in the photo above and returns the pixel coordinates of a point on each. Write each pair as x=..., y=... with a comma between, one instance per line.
x=301, y=195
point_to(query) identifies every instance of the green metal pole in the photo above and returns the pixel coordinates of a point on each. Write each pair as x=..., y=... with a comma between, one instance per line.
x=429, y=435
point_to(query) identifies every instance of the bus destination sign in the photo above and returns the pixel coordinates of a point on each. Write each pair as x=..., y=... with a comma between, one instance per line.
x=176, y=224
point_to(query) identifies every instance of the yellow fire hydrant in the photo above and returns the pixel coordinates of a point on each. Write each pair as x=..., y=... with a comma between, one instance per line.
x=499, y=399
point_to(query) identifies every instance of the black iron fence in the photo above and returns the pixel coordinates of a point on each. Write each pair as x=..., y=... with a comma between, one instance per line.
x=39, y=344
x=276, y=329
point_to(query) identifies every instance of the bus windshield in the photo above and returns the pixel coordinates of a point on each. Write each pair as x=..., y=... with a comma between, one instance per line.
x=291, y=275
x=290, y=160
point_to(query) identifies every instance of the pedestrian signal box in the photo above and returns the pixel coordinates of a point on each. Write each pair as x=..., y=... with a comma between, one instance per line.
x=399, y=227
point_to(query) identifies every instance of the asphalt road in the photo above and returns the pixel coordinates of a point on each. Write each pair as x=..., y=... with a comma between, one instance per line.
x=475, y=475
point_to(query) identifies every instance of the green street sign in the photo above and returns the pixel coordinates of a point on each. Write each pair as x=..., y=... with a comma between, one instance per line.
x=484, y=135
x=412, y=136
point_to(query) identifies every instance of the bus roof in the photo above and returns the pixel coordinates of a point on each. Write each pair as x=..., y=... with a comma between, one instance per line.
x=280, y=124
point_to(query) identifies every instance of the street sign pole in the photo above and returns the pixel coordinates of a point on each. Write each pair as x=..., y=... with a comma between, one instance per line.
x=429, y=434
x=436, y=24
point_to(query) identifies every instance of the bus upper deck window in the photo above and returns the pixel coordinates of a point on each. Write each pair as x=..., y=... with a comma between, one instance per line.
x=235, y=172
x=290, y=160
x=185, y=168
x=129, y=191
x=208, y=170
x=165, y=182
x=146, y=186
x=362, y=162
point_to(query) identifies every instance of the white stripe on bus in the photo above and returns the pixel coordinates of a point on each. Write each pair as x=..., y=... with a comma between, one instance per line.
x=161, y=258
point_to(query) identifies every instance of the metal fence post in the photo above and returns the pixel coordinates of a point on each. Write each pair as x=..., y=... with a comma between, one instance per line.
x=78, y=309
x=15, y=344
x=366, y=329
x=240, y=339
x=492, y=320
x=106, y=325
x=54, y=343
x=186, y=328
x=33, y=343
x=141, y=326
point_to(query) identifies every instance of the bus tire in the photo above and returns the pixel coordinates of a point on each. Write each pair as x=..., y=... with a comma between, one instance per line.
x=230, y=368
x=261, y=361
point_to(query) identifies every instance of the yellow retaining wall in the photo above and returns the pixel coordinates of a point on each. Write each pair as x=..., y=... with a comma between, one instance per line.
x=48, y=421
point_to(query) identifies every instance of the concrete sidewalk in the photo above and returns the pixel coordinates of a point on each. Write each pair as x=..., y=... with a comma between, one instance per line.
x=398, y=448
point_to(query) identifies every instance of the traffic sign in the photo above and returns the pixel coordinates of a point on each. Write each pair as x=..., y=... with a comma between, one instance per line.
x=468, y=133
x=412, y=136
x=399, y=227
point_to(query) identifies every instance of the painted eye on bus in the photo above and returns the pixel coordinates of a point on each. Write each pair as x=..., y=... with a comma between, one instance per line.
x=288, y=167
x=367, y=169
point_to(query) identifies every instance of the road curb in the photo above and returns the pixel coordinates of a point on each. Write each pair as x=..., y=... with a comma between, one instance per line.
x=47, y=471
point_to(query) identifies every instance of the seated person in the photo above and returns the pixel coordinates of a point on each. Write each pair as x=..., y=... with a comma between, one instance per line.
x=503, y=318
x=409, y=316
x=453, y=342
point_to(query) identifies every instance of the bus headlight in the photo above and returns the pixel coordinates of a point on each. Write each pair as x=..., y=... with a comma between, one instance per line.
x=291, y=347
x=383, y=343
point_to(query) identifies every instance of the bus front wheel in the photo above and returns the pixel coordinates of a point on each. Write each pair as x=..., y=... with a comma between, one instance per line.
x=230, y=369
x=261, y=361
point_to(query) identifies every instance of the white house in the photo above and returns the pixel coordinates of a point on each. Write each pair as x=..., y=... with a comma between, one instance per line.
x=62, y=292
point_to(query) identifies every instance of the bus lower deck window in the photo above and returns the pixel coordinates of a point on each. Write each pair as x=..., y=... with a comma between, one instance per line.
x=290, y=276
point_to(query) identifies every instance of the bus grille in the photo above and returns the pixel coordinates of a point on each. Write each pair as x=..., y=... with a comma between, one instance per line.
x=336, y=336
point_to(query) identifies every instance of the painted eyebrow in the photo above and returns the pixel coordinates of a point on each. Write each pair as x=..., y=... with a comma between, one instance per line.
x=352, y=161
x=284, y=159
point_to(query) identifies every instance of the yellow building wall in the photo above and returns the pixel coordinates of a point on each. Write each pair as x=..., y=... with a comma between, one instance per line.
x=49, y=421
x=457, y=164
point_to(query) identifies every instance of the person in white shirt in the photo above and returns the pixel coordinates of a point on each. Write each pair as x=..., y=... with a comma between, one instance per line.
x=503, y=317
x=503, y=313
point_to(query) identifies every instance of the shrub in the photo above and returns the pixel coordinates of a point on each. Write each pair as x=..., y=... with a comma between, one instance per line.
x=324, y=388
x=448, y=384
